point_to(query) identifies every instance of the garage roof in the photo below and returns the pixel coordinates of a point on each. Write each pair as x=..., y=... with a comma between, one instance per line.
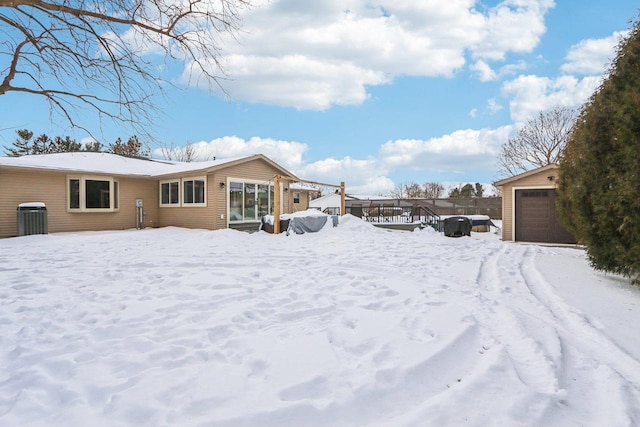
x=506, y=181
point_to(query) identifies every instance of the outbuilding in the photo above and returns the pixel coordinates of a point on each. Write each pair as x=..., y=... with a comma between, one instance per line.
x=529, y=212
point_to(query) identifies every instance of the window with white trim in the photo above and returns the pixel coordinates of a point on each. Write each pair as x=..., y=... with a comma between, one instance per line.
x=170, y=193
x=92, y=194
x=194, y=191
x=183, y=192
x=296, y=197
x=249, y=200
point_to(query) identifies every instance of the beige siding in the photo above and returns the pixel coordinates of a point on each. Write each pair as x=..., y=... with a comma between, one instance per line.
x=190, y=216
x=214, y=215
x=536, y=180
x=304, y=201
x=51, y=188
x=219, y=201
x=18, y=186
x=132, y=189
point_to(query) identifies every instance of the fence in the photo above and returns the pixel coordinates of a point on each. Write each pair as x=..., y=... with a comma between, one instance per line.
x=402, y=210
x=391, y=214
x=491, y=206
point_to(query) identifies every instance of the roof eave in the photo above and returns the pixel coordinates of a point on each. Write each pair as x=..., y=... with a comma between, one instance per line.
x=506, y=181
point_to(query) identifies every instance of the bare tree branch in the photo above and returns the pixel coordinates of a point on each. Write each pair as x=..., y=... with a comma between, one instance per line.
x=106, y=55
x=539, y=143
x=188, y=153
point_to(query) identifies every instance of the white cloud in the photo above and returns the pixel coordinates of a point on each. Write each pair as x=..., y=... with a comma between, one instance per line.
x=512, y=26
x=493, y=106
x=299, y=81
x=288, y=154
x=592, y=56
x=484, y=71
x=460, y=150
x=533, y=94
x=313, y=55
x=457, y=152
x=511, y=69
x=360, y=176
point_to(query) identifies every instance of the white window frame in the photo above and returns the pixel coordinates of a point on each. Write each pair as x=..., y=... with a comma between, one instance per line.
x=248, y=181
x=114, y=193
x=299, y=196
x=181, y=203
x=169, y=205
x=193, y=179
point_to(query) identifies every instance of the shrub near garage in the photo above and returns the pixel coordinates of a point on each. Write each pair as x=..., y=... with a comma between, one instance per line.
x=599, y=185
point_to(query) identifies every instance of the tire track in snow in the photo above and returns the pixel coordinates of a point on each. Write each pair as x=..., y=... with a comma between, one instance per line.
x=535, y=364
x=577, y=328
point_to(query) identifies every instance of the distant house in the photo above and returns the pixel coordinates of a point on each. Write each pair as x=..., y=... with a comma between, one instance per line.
x=100, y=191
x=529, y=211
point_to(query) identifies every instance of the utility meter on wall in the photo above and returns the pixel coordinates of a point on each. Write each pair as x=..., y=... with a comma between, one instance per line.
x=139, y=203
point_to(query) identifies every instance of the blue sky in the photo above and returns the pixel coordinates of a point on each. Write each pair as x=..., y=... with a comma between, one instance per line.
x=378, y=93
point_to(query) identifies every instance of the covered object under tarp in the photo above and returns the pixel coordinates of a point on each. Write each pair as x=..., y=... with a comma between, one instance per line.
x=310, y=224
x=457, y=226
x=267, y=225
x=479, y=223
x=309, y=221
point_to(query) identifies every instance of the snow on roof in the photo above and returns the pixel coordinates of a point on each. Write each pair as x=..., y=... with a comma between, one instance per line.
x=32, y=205
x=303, y=186
x=355, y=197
x=107, y=163
x=369, y=197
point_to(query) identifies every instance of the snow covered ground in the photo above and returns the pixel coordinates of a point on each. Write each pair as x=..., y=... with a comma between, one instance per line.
x=351, y=326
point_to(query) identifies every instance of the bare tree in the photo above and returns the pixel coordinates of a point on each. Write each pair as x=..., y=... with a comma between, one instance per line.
x=413, y=190
x=188, y=153
x=399, y=191
x=105, y=55
x=433, y=190
x=539, y=143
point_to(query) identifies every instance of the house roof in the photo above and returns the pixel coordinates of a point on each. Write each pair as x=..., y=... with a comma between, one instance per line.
x=113, y=164
x=506, y=181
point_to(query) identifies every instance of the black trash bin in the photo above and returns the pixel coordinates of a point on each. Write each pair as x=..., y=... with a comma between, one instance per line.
x=32, y=219
x=457, y=226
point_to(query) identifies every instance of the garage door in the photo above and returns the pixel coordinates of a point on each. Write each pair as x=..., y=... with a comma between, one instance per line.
x=537, y=219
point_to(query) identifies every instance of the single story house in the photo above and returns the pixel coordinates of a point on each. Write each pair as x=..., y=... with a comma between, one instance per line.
x=529, y=211
x=100, y=191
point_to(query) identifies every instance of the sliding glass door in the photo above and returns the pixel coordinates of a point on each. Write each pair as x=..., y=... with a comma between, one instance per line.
x=249, y=201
